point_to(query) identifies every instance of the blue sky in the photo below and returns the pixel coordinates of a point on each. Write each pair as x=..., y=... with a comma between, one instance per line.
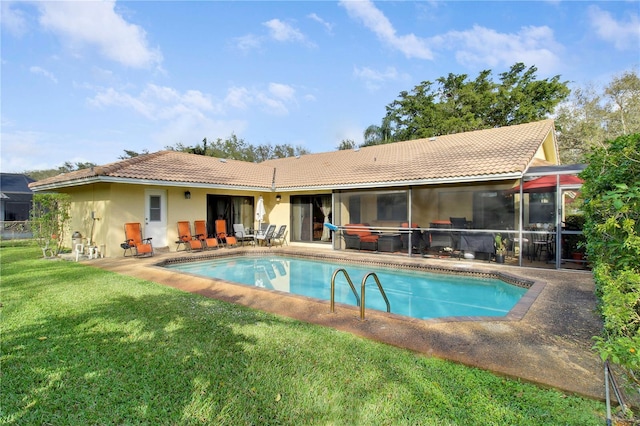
x=83, y=81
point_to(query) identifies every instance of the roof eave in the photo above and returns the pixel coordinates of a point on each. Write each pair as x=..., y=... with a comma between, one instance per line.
x=148, y=182
x=414, y=182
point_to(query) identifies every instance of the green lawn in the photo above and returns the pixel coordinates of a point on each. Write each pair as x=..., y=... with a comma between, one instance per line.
x=84, y=346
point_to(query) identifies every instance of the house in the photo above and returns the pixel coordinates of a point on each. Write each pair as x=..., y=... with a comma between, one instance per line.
x=15, y=204
x=15, y=197
x=423, y=182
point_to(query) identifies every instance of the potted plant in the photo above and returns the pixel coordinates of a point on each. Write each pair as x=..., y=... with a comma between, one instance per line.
x=501, y=248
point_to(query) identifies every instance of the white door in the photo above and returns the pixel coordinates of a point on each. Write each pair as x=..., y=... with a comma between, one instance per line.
x=155, y=220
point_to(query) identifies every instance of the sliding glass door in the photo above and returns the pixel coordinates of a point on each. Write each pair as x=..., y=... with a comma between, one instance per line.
x=308, y=215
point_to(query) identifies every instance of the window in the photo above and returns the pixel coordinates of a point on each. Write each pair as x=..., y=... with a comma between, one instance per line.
x=392, y=206
x=154, y=208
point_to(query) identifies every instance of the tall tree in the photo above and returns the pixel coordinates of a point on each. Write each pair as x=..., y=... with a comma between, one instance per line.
x=456, y=104
x=592, y=116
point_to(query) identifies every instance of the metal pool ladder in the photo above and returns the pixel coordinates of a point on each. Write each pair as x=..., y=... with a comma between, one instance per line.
x=359, y=300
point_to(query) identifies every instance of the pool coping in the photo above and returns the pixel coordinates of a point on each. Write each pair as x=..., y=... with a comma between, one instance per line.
x=534, y=287
x=546, y=340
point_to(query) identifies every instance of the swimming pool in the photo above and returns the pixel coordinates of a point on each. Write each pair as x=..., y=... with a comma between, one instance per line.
x=416, y=294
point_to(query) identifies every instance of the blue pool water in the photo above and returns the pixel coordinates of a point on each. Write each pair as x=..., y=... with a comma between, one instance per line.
x=411, y=293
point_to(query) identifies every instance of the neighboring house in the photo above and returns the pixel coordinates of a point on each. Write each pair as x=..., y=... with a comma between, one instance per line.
x=15, y=205
x=15, y=197
x=470, y=175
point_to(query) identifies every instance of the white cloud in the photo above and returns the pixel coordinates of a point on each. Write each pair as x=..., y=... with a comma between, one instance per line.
x=12, y=20
x=278, y=30
x=327, y=25
x=374, y=79
x=157, y=102
x=30, y=150
x=96, y=24
x=275, y=100
x=248, y=42
x=482, y=46
x=282, y=91
x=281, y=31
x=238, y=97
x=623, y=35
x=410, y=45
x=41, y=71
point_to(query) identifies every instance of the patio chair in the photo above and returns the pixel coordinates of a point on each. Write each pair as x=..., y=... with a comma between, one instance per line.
x=134, y=243
x=279, y=236
x=457, y=223
x=185, y=237
x=416, y=237
x=440, y=240
x=267, y=236
x=222, y=236
x=241, y=234
x=200, y=229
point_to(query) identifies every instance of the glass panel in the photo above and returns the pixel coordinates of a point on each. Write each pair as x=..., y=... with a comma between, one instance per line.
x=392, y=207
x=300, y=218
x=154, y=208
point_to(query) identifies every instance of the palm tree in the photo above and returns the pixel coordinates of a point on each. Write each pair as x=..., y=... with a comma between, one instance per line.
x=378, y=135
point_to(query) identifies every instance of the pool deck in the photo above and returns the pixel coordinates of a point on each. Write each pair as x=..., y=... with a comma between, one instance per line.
x=546, y=340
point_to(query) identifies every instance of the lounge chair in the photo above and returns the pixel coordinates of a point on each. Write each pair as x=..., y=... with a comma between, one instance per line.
x=134, y=243
x=279, y=236
x=222, y=236
x=359, y=236
x=185, y=237
x=241, y=234
x=267, y=236
x=200, y=229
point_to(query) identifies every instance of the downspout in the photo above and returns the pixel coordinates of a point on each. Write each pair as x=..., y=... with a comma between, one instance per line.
x=273, y=180
x=559, y=208
x=521, y=220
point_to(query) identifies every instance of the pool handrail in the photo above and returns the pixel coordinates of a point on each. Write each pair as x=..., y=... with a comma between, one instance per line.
x=384, y=295
x=333, y=287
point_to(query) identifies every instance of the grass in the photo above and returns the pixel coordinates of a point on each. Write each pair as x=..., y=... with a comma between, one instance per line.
x=84, y=346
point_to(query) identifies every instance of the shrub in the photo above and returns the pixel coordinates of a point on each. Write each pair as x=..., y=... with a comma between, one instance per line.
x=49, y=221
x=612, y=212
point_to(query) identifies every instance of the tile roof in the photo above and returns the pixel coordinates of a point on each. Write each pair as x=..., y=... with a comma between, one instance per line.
x=472, y=155
x=172, y=166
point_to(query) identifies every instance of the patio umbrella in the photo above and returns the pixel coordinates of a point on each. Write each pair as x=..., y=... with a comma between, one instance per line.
x=548, y=183
x=260, y=212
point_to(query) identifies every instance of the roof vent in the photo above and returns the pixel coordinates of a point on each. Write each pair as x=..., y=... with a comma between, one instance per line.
x=223, y=160
x=356, y=149
x=433, y=139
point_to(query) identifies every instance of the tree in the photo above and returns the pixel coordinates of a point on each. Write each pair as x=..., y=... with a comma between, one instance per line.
x=131, y=154
x=346, y=144
x=237, y=149
x=592, y=116
x=65, y=168
x=376, y=135
x=456, y=104
x=49, y=221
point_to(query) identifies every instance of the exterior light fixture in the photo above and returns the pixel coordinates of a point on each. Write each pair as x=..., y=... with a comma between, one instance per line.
x=187, y=195
x=278, y=198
